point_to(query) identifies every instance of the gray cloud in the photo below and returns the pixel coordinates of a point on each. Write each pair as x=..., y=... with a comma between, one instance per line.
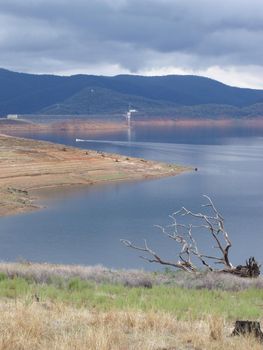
x=47, y=35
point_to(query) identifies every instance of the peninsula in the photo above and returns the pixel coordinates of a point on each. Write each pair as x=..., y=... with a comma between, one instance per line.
x=28, y=166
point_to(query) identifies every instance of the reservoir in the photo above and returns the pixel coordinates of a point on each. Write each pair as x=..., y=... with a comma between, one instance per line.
x=85, y=226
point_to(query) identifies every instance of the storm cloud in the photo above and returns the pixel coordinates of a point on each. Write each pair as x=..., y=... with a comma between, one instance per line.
x=132, y=36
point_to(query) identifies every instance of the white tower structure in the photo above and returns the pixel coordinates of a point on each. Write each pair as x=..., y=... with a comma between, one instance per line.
x=128, y=115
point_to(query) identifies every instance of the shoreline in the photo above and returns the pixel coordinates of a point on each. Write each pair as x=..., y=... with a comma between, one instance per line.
x=29, y=168
x=103, y=126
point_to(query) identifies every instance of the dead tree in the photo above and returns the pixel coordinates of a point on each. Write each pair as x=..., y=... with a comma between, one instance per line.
x=182, y=234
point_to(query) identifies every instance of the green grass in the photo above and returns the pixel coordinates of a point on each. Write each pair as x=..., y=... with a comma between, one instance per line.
x=183, y=303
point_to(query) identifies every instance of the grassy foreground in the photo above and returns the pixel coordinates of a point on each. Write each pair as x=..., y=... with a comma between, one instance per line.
x=65, y=312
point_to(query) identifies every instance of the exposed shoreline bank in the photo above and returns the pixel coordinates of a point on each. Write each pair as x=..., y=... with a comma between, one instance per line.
x=28, y=166
x=93, y=126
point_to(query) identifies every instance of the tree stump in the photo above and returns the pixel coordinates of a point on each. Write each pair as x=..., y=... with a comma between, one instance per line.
x=250, y=270
x=248, y=328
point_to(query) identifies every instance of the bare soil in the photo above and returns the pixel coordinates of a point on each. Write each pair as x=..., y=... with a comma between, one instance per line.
x=88, y=126
x=29, y=165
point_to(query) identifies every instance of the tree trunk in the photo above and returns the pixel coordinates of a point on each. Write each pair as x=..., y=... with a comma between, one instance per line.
x=251, y=269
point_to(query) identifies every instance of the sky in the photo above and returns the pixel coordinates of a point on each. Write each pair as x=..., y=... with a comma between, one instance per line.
x=220, y=39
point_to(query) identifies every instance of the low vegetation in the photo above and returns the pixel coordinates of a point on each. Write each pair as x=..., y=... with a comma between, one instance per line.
x=74, y=307
x=59, y=326
x=181, y=302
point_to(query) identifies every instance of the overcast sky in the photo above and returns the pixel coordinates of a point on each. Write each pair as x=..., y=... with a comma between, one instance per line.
x=221, y=39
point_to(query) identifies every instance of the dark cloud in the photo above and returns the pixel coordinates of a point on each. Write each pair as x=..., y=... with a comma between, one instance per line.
x=47, y=35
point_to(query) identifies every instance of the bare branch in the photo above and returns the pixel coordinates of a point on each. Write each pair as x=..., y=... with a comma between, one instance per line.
x=182, y=234
x=184, y=265
x=214, y=224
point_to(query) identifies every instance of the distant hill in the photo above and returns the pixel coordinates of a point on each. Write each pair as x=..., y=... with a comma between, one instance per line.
x=173, y=95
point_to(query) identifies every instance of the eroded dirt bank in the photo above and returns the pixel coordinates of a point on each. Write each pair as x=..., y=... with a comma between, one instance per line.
x=29, y=165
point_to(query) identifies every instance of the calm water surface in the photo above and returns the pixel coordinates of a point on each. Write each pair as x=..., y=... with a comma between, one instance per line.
x=85, y=227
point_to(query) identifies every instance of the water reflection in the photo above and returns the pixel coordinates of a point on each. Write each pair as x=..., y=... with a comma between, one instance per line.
x=85, y=227
x=179, y=134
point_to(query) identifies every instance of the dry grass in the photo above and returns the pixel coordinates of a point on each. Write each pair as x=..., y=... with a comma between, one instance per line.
x=44, y=273
x=34, y=325
x=112, y=317
x=218, y=281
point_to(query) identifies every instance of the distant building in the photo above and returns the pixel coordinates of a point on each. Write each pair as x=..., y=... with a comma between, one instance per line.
x=12, y=116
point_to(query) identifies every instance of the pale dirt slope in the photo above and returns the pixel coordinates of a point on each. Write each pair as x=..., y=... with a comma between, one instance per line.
x=27, y=165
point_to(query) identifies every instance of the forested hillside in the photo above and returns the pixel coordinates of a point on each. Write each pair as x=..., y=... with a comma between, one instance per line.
x=171, y=96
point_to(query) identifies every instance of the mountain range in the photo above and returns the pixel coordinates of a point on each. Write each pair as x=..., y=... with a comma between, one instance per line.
x=156, y=96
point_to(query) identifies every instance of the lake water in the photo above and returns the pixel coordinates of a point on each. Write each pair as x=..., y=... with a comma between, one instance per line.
x=85, y=226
